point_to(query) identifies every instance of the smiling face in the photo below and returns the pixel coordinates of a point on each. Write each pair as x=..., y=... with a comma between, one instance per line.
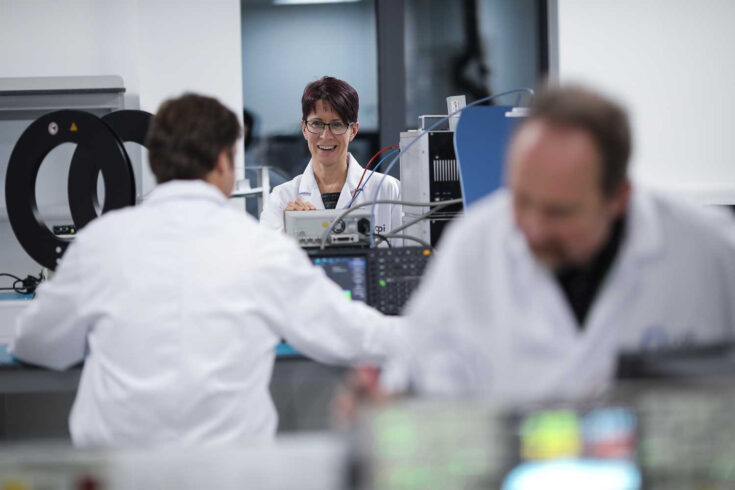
x=328, y=149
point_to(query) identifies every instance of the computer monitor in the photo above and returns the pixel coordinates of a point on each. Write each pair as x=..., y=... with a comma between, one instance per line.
x=348, y=270
x=384, y=278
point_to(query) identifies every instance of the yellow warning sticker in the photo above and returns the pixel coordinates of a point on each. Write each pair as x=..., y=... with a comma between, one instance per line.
x=73, y=127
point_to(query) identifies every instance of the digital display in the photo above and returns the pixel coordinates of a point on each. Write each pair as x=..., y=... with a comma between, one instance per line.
x=349, y=272
x=574, y=474
x=572, y=449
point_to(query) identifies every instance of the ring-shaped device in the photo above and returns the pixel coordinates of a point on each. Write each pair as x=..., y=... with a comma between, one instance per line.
x=43, y=135
x=129, y=126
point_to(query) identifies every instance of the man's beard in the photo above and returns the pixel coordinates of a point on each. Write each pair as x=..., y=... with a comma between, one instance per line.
x=552, y=257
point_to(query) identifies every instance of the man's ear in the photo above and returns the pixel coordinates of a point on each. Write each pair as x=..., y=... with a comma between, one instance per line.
x=303, y=129
x=621, y=198
x=224, y=162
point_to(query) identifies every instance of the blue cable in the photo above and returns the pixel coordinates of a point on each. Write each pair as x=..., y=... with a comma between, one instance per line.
x=372, y=170
x=440, y=121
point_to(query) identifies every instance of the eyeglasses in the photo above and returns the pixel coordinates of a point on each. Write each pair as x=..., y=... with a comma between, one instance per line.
x=318, y=127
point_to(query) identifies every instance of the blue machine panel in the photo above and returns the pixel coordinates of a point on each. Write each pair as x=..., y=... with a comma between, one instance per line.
x=480, y=143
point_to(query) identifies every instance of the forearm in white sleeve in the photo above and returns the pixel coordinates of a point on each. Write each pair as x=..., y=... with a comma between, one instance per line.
x=50, y=332
x=395, y=377
x=320, y=321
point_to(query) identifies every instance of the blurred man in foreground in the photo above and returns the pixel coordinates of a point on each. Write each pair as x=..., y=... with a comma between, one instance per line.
x=534, y=292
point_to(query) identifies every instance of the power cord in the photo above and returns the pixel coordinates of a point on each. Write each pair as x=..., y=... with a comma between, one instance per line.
x=373, y=172
x=418, y=137
x=357, y=189
x=384, y=238
x=23, y=286
x=439, y=206
x=397, y=232
x=404, y=237
x=375, y=199
x=328, y=230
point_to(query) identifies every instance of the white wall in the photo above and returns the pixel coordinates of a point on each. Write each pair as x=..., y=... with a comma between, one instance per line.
x=189, y=45
x=161, y=48
x=671, y=63
x=79, y=37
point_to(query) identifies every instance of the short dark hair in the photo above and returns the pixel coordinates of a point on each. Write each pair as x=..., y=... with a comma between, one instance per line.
x=606, y=121
x=340, y=95
x=187, y=135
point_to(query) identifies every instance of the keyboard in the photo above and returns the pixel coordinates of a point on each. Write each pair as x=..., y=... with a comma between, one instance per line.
x=393, y=275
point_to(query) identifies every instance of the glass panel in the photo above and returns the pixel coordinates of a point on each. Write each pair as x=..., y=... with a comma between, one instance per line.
x=469, y=47
x=285, y=47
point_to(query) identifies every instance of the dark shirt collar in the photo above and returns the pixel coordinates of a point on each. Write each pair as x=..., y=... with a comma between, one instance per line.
x=581, y=284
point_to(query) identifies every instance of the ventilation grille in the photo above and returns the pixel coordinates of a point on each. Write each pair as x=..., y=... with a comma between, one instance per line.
x=446, y=171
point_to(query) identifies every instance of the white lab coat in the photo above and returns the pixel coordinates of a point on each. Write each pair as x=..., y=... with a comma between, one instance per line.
x=178, y=305
x=304, y=186
x=489, y=320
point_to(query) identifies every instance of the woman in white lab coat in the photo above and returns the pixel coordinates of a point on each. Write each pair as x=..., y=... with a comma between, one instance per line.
x=331, y=178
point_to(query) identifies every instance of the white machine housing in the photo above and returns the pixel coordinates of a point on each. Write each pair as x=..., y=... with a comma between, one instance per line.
x=308, y=227
x=429, y=172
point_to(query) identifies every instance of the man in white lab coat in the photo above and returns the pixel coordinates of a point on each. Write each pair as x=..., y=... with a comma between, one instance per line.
x=537, y=289
x=176, y=306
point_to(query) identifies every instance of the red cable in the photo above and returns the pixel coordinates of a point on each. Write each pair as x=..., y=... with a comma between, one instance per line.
x=393, y=147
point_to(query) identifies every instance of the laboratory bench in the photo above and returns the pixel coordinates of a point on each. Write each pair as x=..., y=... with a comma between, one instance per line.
x=35, y=402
